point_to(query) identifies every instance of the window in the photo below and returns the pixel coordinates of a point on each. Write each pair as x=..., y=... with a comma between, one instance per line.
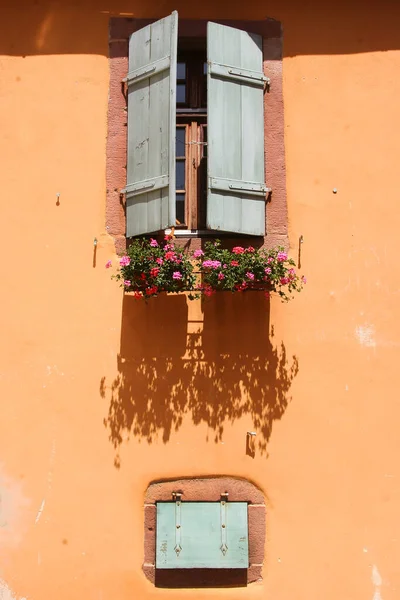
x=191, y=134
x=185, y=541
x=195, y=130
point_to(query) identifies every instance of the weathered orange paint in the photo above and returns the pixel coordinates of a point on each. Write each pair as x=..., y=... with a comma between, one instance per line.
x=74, y=353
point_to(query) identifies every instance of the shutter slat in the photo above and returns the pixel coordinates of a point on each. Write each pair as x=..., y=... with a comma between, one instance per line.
x=150, y=189
x=236, y=182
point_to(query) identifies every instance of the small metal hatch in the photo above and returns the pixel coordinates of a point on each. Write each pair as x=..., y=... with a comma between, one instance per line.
x=202, y=535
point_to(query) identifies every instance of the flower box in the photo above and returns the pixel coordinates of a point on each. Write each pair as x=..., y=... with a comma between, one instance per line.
x=150, y=268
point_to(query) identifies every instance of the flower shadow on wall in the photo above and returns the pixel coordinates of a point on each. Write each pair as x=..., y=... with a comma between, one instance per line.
x=214, y=370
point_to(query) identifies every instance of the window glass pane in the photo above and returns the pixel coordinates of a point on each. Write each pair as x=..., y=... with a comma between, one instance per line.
x=181, y=92
x=180, y=209
x=181, y=70
x=180, y=175
x=180, y=141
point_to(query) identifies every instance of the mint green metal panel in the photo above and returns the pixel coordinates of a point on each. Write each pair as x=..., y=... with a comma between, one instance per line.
x=150, y=189
x=192, y=536
x=235, y=82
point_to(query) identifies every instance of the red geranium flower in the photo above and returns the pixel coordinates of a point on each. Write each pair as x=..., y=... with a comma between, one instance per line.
x=150, y=291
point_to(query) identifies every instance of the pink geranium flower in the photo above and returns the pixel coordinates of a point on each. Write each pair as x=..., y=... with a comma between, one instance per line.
x=127, y=282
x=221, y=276
x=153, y=243
x=159, y=260
x=198, y=253
x=211, y=264
x=108, y=264
x=281, y=256
x=176, y=275
x=250, y=276
x=238, y=250
x=124, y=261
x=268, y=271
x=304, y=279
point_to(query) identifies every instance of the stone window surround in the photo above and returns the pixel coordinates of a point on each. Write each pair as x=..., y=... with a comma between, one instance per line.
x=208, y=489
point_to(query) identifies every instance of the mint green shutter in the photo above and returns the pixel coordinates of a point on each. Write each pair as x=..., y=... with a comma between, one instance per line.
x=150, y=189
x=236, y=180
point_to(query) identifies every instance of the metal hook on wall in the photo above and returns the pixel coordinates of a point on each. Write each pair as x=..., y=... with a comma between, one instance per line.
x=251, y=443
x=301, y=241
x=94, y=252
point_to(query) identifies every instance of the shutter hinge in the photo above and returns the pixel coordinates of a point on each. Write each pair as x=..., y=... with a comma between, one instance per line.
x=148, y=185
x=238, y=74
x=246, y=187
x=148, y=70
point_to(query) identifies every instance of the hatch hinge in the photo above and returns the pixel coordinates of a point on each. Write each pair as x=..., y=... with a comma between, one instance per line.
x=178, y=501
x=224, y=546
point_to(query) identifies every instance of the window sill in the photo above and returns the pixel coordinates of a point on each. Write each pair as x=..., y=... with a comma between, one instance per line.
x=202, y=233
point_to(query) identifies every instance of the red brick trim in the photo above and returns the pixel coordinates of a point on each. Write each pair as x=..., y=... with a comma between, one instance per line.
x=116, y=144
x=208, y=490
x=271, y=30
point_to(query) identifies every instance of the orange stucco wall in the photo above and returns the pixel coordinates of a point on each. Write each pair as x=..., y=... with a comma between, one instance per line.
x=99, y=396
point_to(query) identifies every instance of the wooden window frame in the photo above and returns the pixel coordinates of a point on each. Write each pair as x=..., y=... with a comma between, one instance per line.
x=195, y=174
x=186, y=158
x=196, y=95
x=275, y=172
x=193, y=115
